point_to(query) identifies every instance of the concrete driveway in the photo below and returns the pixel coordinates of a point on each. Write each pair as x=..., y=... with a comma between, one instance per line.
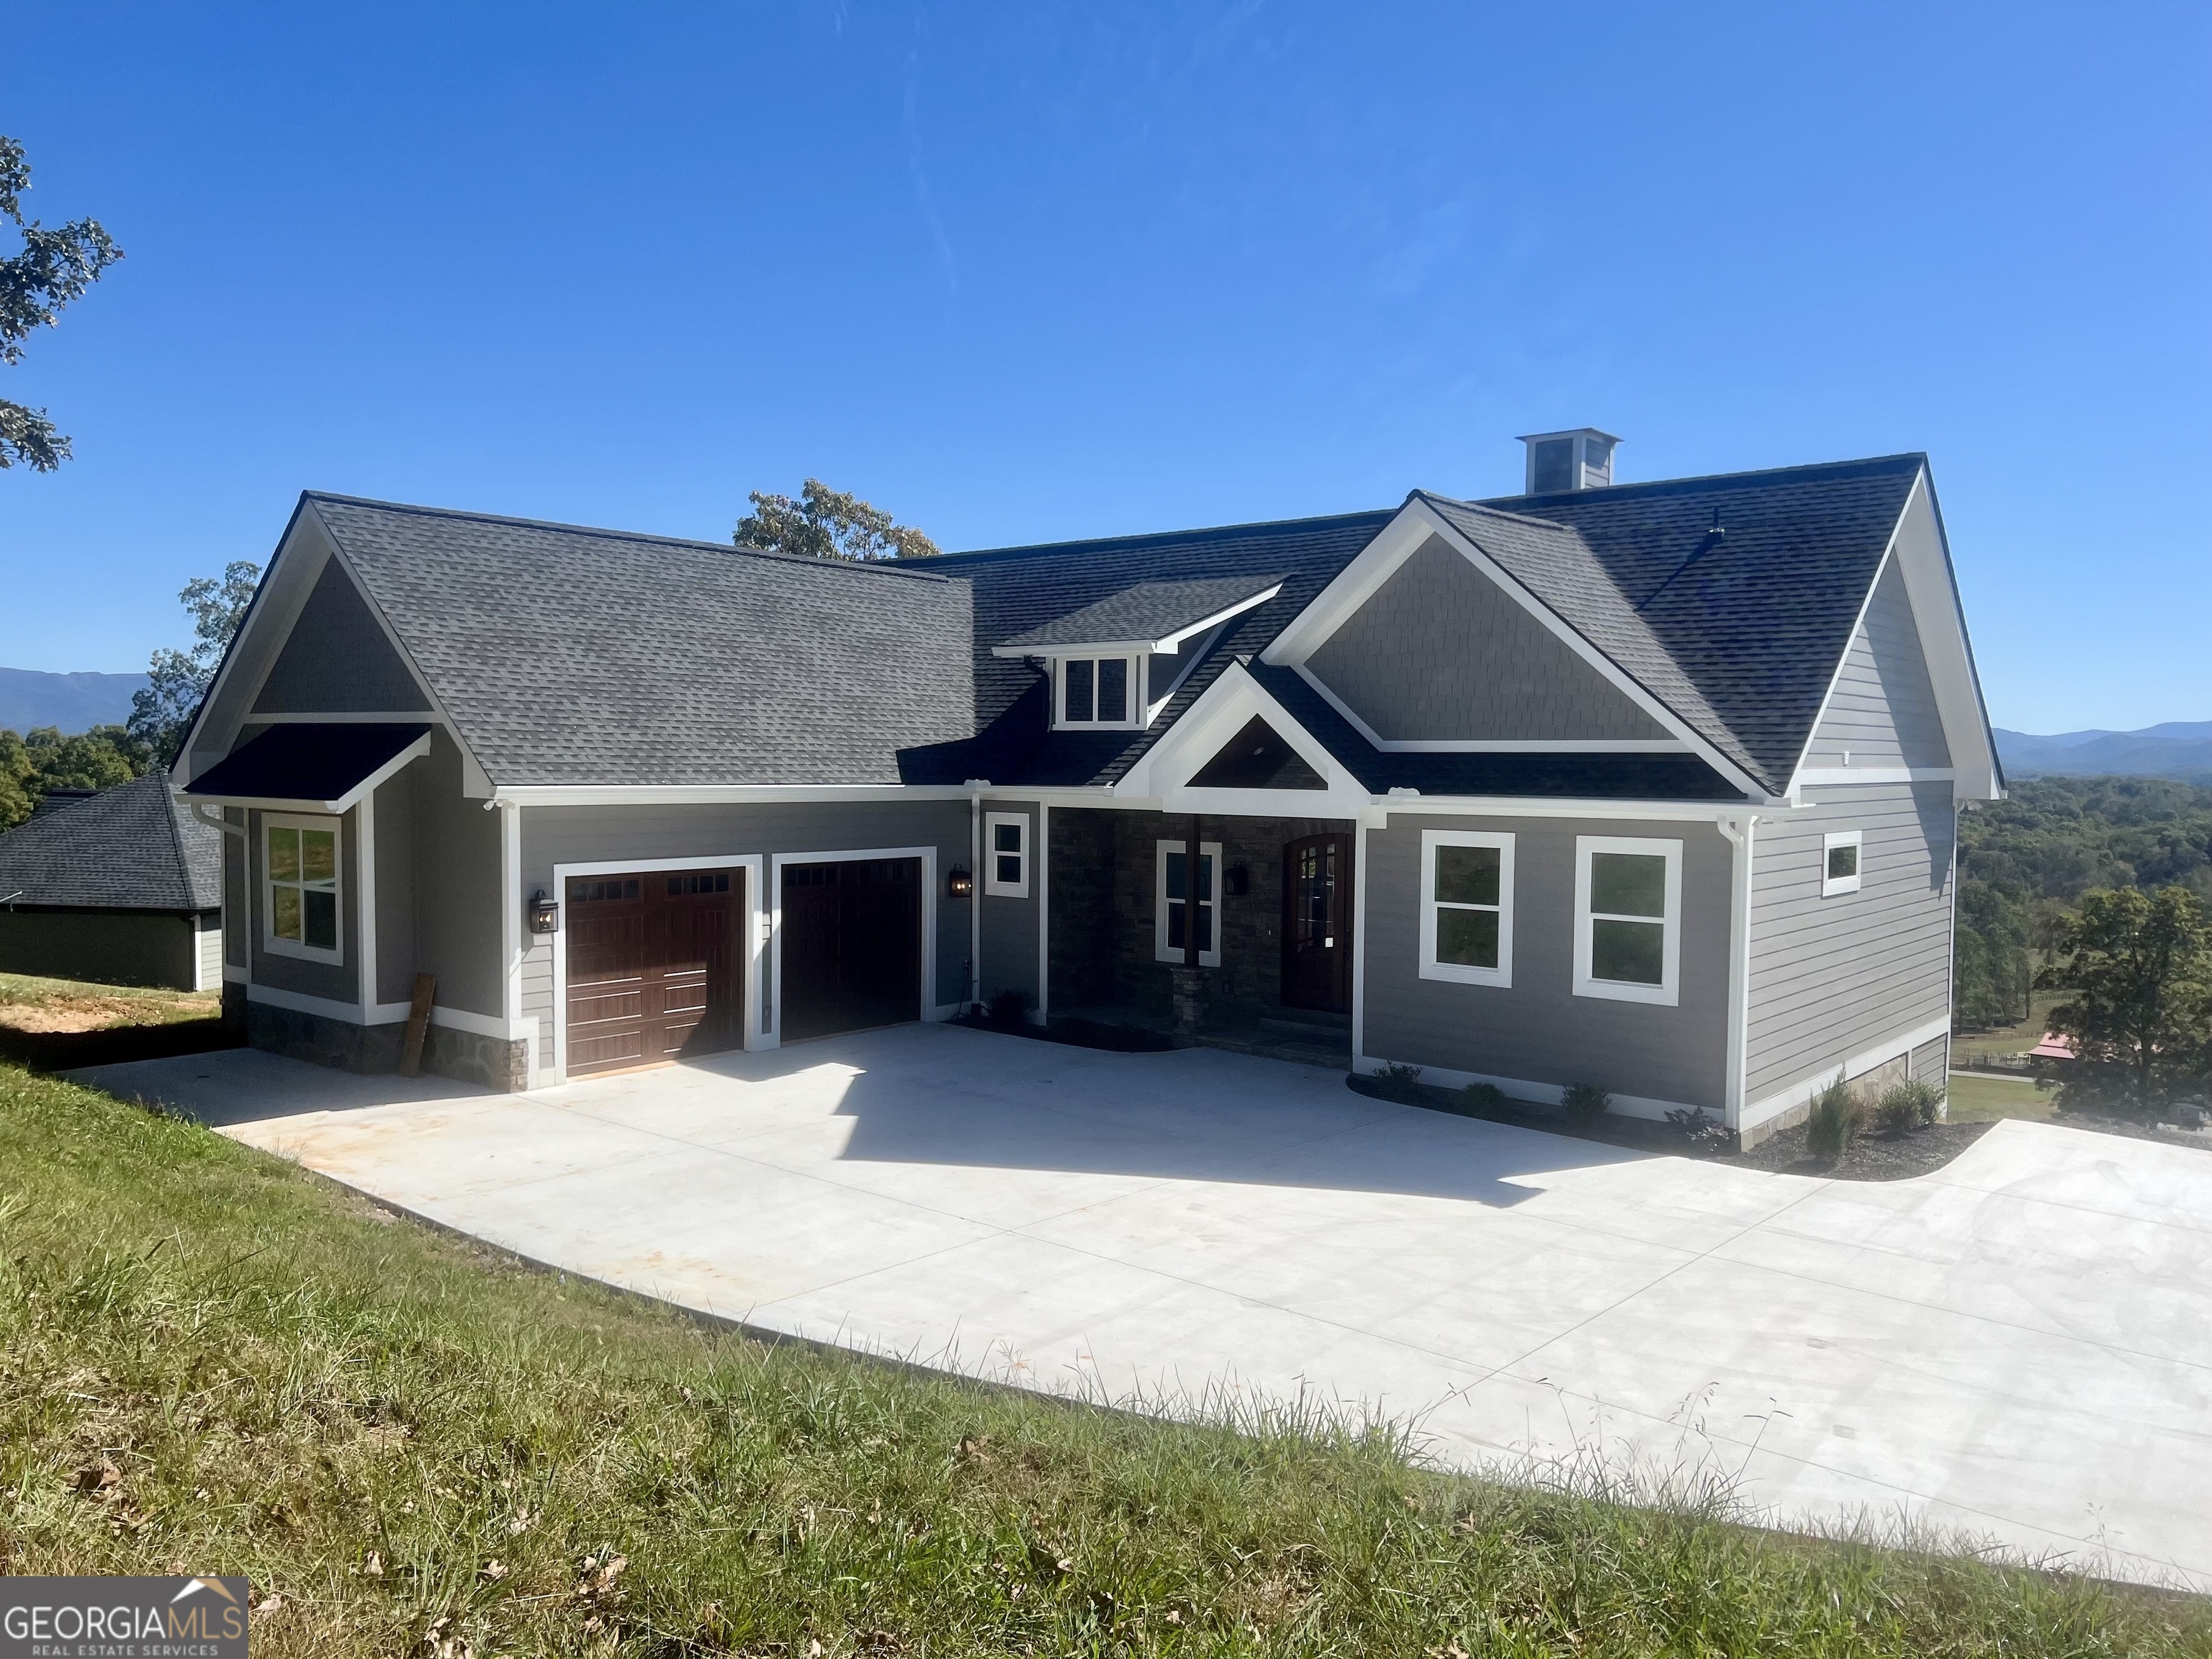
x=2018, y=1347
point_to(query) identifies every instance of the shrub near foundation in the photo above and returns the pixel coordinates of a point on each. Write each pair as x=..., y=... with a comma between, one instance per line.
x=1834, y=1123
x=1909, y=1105
x=1585, y=1102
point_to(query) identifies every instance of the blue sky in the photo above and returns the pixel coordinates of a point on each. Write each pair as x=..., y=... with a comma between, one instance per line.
x=1036, y=272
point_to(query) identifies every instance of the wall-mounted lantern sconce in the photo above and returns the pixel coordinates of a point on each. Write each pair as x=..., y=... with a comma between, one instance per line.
x=544, y=913
x=959, y=882
x=1236, y=881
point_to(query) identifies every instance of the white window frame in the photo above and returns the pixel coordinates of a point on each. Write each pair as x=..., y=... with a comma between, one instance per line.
x=992, y=887
x=300, y=948
x=1668, y=993
x=1461, y=972
x=1833, y=885
x=1209, y=852
x=1133, y=721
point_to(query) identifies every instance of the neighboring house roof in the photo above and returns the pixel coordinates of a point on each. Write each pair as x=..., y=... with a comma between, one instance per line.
x=565, y=655
x=1148, y=614
x=131, y=847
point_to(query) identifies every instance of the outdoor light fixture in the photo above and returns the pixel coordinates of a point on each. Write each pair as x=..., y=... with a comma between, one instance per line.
x=544, y=913
x=1238, y=882
x=959, y=882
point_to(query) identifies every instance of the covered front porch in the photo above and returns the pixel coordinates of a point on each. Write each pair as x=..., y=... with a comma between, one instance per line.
x=1210, y=930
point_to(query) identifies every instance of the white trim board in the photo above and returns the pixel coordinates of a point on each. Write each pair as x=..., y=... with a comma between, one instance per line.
x=756, y=1035
x=388, y=1013
x=1165, y=644
x=716, y=794
x=1547, y=1094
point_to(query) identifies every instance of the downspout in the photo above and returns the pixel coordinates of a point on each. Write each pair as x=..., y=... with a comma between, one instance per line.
x=1739, y=834
x=975, y=894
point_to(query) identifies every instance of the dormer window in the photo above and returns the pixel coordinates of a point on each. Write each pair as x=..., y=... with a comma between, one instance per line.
x=1098, y=692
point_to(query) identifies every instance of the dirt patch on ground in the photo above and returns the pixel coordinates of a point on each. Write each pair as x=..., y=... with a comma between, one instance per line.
x=96, y=1013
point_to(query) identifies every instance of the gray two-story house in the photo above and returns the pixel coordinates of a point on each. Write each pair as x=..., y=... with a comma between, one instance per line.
x=1648, y=785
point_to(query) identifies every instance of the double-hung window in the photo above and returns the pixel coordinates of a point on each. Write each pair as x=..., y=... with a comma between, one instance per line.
x=1839, y=862
x=1006, y=854
x=1188, y=918
x=299, y=887
x=1628, y=919
x=1100, y=691
x=1467, y=907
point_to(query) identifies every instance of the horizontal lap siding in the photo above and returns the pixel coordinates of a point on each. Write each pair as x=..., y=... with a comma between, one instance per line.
x=1537, y=1031
x=1832, y=977
x=1009, y=924
x=592, y=835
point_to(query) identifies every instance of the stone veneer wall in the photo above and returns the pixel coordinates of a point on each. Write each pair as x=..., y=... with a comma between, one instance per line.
x=1102, y=892
x=369, y=1049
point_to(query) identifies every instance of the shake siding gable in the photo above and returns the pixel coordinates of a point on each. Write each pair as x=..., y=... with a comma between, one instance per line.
x=1882, y=711
x=1830, y=978
x=337, y=659
x=1439, y=652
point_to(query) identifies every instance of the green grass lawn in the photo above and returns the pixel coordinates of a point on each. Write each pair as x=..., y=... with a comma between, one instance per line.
x=213, y=1362
x=1981, y=1096
x=2015, y=1039
x=22, y=995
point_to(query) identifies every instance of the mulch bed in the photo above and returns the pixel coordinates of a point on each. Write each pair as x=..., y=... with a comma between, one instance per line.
x=1875, y=1156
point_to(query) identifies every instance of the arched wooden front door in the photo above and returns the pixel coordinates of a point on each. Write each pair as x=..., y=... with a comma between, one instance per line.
x=1317, y=924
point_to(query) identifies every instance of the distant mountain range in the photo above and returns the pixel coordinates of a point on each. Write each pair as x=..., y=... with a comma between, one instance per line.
x=2178, y=749
x=74, y=702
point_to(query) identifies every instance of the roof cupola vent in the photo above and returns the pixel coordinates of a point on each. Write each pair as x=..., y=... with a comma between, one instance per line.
x=1561, y=461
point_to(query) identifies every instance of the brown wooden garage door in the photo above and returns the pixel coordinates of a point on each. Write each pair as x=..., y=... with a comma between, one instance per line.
x=656, y=971
x=852, y=946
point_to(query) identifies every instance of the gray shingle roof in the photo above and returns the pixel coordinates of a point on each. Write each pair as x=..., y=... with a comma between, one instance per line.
x=1020, y=588
x=566, y=655
x=131, y=847
x=1743, y=642
x=1146, y=611
x=571, y=655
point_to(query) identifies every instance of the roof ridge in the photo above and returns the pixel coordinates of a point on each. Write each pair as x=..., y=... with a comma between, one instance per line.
x=885, y=567
x=1164, y=538
x=1650, y=486
x=1528, y=519
x=170, y=808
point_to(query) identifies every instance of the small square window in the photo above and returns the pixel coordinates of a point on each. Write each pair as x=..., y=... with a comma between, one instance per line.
x=1006, y=854
x=1095, y=691
x=1839, y=862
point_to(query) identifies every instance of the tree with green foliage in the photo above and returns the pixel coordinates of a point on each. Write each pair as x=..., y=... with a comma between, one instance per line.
x=827, y=523
x=50, y=269
x=2140, y=966
x=44, y=759
x=162, y=710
